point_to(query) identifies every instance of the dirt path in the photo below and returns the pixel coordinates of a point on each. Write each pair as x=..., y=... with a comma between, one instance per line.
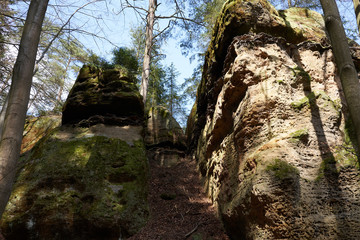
x=178, y=206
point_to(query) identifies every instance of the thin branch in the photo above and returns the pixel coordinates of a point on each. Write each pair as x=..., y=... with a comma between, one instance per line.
x=60, y=30
x=192, y=231
x=180, y=18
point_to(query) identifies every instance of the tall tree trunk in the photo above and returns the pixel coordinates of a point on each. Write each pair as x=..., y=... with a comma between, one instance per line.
x=289, y=4
x=148, y=45
x=18, y=99
x=344, y=62
x=357, y=13
x=2, y=115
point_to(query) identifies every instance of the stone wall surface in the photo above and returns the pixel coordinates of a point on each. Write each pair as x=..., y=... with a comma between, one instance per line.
x=271, y=132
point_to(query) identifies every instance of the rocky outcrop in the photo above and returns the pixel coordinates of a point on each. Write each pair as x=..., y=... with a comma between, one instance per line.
x=270, y=131
x=83, y=182
x=103, y=96
x=163, y=129
x=164, y=137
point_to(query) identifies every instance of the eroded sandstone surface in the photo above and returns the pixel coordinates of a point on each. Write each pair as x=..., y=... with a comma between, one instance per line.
x=270, y=129
x=164, y=138
x=107, y=96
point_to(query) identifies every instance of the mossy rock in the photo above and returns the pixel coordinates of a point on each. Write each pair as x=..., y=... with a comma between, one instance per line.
x=316, y=99
x=300, y=135
x=282, y=170
x=79, y=187
x=103, y=96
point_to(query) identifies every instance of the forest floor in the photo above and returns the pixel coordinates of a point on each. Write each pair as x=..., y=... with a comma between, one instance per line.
x=179, y=208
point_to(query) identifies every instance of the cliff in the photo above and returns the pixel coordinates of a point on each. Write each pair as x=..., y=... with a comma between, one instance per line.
x=270, y=128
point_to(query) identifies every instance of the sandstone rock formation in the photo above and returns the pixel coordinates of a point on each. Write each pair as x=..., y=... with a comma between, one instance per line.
x=85, y=182
x=163, y=129
x=270, y=128
x=164, y=137
x=103, y=96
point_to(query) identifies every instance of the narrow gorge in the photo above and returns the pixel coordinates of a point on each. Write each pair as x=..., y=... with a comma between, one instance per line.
x=268, y=152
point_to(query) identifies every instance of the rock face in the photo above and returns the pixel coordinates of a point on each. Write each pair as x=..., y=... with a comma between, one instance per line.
x=82, y=183
x=164, y=137
x=103, y=96
x=163, y=129
x=270, y=128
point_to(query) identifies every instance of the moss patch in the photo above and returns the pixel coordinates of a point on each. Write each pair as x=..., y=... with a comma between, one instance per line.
x=310, y=100
x=282, y=170
x=96, y=182
x=300, y=135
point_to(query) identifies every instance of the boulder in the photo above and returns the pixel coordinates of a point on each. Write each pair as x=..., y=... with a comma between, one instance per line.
x=103, y=96
x=271, y=131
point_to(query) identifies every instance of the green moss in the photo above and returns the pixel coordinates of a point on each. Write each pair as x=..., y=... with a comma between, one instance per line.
x=300, y=72
x=300, y=135
x=305, y=101
x=75, y=178
x=282, y=170
x=344, y=156
x=310, y=100
x=197, y=236
x=327, y=167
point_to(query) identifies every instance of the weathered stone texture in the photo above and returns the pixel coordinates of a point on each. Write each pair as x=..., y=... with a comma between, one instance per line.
x=270, y=134
x=164, y=137
x=163, y=129
x=103, y=96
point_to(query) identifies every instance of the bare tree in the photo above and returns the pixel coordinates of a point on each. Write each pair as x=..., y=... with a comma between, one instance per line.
x=148, y=45
x=357, y=13
x=18, y=98
x=344, y=62
x=151, y=36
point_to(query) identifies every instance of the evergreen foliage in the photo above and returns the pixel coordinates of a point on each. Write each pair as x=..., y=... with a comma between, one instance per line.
x=127, y=58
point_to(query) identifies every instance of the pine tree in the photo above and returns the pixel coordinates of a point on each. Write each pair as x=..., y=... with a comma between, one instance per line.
x=174, y=98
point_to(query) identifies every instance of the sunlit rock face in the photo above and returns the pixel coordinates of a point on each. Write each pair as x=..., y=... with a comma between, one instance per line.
x=164, y=137
x=271, y=133
x=82, y=182
x=163, y=129
x=103, y=96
